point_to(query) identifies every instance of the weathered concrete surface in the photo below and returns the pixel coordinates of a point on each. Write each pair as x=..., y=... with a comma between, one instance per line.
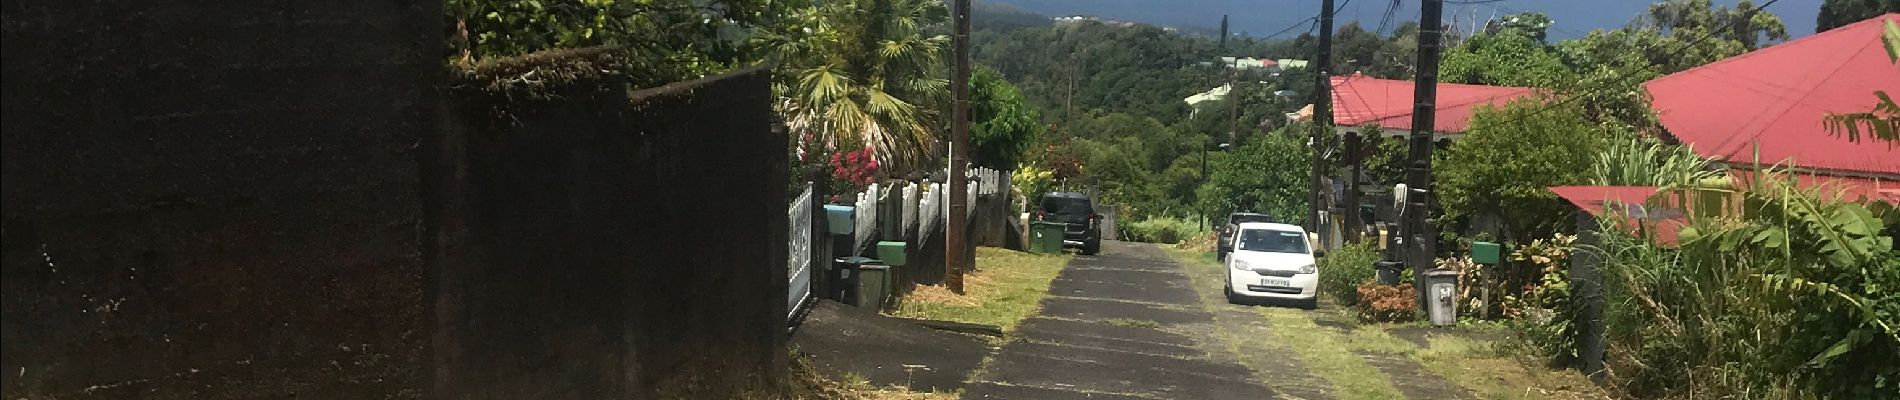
x=1122, y=325
x=887, y=351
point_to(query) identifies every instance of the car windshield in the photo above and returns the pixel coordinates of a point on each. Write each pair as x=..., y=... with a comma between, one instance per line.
x=1066, y=205
x=1272, y=241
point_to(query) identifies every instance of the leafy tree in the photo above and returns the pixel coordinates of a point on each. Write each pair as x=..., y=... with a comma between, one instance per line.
x=1509, y=156
x=864, y=73
x=1743, y=24
x=1267, y=176
x=1003, y=127
x=1512, y=56
x=1835, y=13
x=1530, y=24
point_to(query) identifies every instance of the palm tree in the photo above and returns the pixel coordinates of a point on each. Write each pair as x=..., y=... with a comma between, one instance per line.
x=864, y=73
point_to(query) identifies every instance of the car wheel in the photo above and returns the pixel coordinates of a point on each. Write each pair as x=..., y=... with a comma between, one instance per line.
x=1228, y=290
x=1310, y=304
x=1092, y=248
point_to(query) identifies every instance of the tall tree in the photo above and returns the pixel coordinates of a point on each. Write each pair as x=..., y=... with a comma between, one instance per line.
x=864, y=73
x=1835, y=13
x=1003, y=125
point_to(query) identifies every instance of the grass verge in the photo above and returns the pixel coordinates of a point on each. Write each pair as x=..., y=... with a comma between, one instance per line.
x=1477, y=357
x=1007, y=287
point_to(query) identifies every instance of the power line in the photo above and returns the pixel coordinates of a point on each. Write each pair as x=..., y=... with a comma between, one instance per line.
x=1390, y=10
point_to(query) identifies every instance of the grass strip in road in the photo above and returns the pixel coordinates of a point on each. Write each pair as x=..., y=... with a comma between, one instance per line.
x=1325, y=352
x=1007, y=286
x=1494, y=373
x=1330, y=355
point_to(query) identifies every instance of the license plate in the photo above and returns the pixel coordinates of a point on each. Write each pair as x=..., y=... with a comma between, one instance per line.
x=1275, y=282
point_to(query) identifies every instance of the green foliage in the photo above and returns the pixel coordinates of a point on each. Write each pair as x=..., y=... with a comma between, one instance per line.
x=1514, y=54
x=1835, y=13
x=1645, y=161
x=666, y=40
x=1509, y=157
x=1161, y=229
x=863, y=73
x=1002, y=125
x=1343, y=269
x=1267, y=175
x=1774, y=292
x=1543, y=313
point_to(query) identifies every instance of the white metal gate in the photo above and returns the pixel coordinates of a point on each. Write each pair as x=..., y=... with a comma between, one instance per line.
x=799, y=264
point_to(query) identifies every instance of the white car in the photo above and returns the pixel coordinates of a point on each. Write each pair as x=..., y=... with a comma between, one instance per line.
x=1272, y=261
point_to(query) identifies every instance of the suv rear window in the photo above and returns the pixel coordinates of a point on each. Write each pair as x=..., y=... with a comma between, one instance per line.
x=1066, y=205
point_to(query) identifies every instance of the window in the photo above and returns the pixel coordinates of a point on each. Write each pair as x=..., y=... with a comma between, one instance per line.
x=1272, y=241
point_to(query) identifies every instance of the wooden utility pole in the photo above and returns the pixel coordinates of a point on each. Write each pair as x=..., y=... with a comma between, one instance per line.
x=956, y=238
x=1421, y=240
x=1352, y=147
x=1322, y=115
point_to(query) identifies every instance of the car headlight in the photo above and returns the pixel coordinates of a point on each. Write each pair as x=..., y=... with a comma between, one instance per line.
x=1242, y=265
x=1309, y=269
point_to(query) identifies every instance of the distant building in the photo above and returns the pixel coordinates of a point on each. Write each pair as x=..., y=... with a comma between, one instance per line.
x=1246, y=63
x=1214, y=94
x=1074, y=19
x=1290, y=63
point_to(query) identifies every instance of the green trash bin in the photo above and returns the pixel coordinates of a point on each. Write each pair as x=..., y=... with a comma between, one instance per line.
x=1045, y=237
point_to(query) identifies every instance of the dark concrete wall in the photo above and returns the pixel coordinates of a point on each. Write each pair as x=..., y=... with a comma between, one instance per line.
x=596, y=244
x=214, y=199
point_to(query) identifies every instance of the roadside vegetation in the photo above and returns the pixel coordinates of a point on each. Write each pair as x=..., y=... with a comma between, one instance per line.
x=1006, y=287
x=1480, y=358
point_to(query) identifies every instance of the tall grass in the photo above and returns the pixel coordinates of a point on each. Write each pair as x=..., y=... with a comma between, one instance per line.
x=1774, y=292
x=1161, y=229
x=1642, y=161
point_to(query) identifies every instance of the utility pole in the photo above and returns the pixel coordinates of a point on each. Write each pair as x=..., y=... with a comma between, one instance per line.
x=956, y=237
x=1322, y=113
x=1352, y=147
x=1230, y=92
x=1420, y=237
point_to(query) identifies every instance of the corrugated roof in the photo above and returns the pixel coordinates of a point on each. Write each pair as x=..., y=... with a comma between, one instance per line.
x=1633, y=203
x=1360, y=100
x=1778, y=96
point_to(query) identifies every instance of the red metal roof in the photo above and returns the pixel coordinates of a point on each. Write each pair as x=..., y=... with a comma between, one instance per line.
x=1777, y=96
x=1850, y=189
x=1632, y=202
x=1360, y=100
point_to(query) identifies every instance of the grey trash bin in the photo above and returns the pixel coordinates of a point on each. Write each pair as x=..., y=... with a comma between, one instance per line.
x=874, y=285
x=1441, y=289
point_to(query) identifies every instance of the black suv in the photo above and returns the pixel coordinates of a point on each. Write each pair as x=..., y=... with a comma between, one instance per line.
x=1082, y=226
x=1226, y=243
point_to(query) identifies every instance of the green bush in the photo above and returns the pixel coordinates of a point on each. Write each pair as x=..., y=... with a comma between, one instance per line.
x=1342, y=270
x=1161, y=230
x=1771, y=293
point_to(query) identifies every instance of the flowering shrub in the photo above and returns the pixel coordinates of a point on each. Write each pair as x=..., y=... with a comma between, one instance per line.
x=1381, y=303
x=859, y=168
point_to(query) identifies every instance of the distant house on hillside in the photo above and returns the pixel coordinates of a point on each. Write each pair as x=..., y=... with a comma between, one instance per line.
x=1075, y=19
x=1246, y=63
x=1210, y=95
x=1291, y=63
